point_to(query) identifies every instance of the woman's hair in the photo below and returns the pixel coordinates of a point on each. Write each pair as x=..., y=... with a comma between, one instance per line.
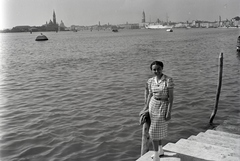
x=159, y=63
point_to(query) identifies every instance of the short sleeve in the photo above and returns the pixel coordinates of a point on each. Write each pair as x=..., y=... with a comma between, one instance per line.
x=170, y=83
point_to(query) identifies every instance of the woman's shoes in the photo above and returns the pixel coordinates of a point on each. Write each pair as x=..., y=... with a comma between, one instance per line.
x=156, y=158
x=160, y=155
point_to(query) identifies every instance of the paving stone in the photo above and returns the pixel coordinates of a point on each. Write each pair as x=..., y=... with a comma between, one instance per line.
x=169, y=156
x=226, y=142
x=221, y=144
x=222, y=133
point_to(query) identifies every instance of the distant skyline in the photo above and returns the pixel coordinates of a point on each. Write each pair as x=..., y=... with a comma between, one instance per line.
x=90, y=12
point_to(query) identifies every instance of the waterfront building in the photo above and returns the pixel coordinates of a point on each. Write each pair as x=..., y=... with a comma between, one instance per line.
x=142, y=24
x=143, y=17
x=206, y=24
x=219, y=22
x=52, y=25
x=20, y=29
x=54, y=18
x=236, y=21
x=129, y=26
x=62, y=26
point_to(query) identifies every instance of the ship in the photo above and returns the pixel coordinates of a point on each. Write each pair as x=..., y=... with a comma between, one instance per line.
x=158, y=26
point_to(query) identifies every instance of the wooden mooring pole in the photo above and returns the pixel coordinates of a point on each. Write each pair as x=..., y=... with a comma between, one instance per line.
x=145, y=138
x=218, y=88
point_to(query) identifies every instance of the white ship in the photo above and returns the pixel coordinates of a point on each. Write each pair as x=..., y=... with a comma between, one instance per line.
x=158, y=26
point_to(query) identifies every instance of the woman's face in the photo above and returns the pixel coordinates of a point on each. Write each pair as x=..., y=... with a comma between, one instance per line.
x=157, y=70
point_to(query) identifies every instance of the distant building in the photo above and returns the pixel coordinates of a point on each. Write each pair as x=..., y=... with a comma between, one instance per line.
x=236, y=21
x=206, y=24
x=54, y=18
x=62, y=26
x=52, y=25
x=143, y=17
x=141, y=24
x=129, y=26
x=20, y=29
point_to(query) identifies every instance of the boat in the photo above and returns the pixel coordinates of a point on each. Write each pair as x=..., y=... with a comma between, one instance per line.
x=238, y=44
x=41, y=38
x=114, y=29
x=158, y=26
x=169, y=30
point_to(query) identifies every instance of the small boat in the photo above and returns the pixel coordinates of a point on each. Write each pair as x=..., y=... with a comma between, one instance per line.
x=114, y=29
x=41, y=38
x=238, y=44
x=169, y=30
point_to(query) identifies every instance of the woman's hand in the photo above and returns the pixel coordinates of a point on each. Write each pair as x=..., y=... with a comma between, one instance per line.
x=145, y=110
x=168, y=116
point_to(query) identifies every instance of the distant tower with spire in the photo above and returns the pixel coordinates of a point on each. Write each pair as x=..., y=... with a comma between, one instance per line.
x=54, y=18
x=143, y=17
x=53, y=25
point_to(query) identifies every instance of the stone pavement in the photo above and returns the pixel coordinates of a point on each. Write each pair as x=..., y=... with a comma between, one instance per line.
x=220, y=144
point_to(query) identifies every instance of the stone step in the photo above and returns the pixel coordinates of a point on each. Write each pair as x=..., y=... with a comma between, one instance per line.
x=169, y=156
x=222, y=141
x=208, y=146
x=224, y=138
x=189, y=150
x=214, y=132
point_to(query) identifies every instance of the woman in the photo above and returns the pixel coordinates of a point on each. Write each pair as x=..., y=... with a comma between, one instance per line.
x=158, y=102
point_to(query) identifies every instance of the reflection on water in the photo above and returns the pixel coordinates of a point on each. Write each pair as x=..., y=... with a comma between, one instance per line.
x=77, y=96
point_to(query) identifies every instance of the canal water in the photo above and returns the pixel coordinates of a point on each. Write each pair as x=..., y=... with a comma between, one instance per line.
x=77, y=96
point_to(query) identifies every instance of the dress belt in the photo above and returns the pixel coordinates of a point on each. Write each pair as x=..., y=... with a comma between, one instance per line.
x=161, y=99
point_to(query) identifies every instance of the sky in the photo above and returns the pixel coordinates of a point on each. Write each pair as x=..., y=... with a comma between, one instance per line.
x=91, y=12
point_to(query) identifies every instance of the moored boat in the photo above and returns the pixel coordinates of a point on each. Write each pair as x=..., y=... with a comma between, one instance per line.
x=114, y=29
x=238, y=44
x=41, y=38
x=169, y=30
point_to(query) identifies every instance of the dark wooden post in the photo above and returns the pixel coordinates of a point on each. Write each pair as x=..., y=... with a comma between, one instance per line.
x=218, y=89
x=145, y=138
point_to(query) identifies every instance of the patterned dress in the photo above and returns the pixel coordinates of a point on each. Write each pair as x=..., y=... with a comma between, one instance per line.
x=158, y=106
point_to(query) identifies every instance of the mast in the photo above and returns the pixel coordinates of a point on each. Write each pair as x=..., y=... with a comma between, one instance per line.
x=167, y=19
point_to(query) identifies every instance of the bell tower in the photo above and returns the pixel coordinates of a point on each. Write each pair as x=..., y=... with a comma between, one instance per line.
x=143, y=17
x=54, y=18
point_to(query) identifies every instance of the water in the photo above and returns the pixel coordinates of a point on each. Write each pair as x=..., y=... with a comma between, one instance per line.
x=77, y=96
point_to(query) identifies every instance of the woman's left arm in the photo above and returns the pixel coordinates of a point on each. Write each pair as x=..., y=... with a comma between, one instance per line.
x=169, y=108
